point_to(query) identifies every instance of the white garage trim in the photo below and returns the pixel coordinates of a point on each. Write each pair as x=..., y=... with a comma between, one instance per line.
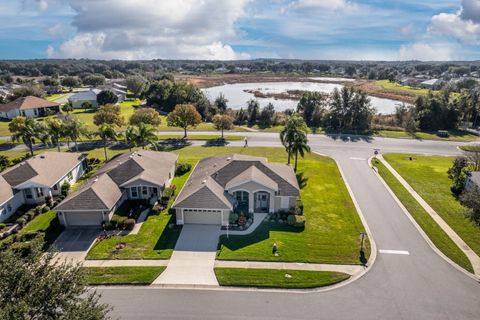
x=82, y=218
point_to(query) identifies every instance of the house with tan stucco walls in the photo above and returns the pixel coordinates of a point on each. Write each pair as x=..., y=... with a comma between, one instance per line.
x=220, y=185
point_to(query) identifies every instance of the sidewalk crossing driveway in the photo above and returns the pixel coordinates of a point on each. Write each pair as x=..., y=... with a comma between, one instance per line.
x=193, y=259
x=73, y=244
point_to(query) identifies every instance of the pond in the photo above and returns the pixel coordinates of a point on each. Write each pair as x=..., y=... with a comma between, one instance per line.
x=239, y=94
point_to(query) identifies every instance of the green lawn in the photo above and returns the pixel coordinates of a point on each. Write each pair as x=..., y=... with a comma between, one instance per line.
x=199, y=137
x=428, y=176
x=121, y=275
x=455, y=135
x=268, y=278
x=440, y=239
x=472, y=148
x=398, y=87
x=41, y=222
x=333, y=226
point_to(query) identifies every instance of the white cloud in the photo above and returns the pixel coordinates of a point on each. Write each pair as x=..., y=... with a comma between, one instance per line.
x=463, y=25
x=427, y=52
x=147, y=29
x=324, y=4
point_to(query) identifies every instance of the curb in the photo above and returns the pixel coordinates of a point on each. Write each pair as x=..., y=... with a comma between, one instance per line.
x=419, y=229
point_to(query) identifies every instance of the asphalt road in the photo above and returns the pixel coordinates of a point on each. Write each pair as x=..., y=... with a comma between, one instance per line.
x=420, y=285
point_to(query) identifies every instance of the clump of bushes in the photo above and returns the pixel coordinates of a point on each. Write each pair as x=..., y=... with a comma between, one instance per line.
x=182, y=168
x=233, y=218
x=45, y=209
x=129, y=224
x=2, y=226
x=49, y=201
x=65, y=188
x=296, y=221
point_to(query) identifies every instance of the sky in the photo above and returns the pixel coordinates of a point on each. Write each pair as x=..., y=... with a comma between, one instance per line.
x=241, y=29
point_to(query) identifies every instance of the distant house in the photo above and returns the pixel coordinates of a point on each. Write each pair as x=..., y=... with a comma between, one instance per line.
x=28, y=107
x=222, y=184
x=473, y=180
x=135, y=175
x=36, y=178
x=120, y=91
x=77, y=99
x=432, y=84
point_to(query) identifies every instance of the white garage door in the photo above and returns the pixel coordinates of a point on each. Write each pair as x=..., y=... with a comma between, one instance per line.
x=202, y=216
x=92, y=218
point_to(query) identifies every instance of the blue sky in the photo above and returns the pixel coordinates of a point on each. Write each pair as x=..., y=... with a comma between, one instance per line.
x=241, y=29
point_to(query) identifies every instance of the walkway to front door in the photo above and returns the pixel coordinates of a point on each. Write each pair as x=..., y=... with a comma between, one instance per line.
x=193, y=260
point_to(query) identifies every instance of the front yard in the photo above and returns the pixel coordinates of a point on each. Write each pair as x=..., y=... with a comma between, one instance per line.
x=332, y=230
x=285, y=279
x=331, y=234
x=428, y=176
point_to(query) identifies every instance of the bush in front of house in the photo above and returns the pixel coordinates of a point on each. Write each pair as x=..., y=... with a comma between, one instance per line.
x=49, y=201
x=38, y=210
x=2, y=226
x=233, y=218
x=182, y=168
x=129, y=224
x=21, y=221
x=118, y=221
x=45, y=209
x=299, y=207
x=65, y=188
x=30, y=214
x=171, y=211
x=296, y=221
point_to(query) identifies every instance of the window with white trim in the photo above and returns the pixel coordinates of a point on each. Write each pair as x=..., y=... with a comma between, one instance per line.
x=134, y=192
x=28, y=193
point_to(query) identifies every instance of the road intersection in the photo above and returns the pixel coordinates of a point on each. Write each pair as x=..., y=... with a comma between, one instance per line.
x=408, y=280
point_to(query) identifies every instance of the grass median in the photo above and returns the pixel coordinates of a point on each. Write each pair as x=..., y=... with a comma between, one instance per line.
x=273, y=278
x=121, y=275
x=434, y=232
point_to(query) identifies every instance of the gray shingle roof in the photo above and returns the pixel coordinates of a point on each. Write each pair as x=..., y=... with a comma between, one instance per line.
x=45, y=169
x=216, y=172
x=6, y=191
x=103, y=190
x=252, y=174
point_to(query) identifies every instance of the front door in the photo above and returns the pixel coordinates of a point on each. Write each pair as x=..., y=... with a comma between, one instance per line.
x=262, y=201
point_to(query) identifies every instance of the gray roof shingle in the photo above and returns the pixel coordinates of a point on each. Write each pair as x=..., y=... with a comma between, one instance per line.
x=216, y=172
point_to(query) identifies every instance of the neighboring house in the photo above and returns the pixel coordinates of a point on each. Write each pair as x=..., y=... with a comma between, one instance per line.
x=431, y=84
x=36, y=178
x=119, y=90
x=473, y=180
x=222, y=184
x=78, y=98
x=28, y=107
x=135, y=175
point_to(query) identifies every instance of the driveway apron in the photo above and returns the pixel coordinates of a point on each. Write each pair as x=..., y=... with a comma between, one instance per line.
x=193, y=259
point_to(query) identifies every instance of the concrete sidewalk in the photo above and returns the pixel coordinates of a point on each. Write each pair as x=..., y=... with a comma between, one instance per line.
x=345, y=268
x=471, y=255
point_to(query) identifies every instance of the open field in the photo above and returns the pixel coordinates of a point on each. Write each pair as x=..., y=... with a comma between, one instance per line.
x=428, y=176
x=121, y=275
x=286, y=279
x=434, y=232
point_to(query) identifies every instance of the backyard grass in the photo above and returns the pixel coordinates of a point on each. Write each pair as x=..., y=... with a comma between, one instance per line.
x=439, y=238
x=121, y=275
x=286, y=279
x=428, y=176
x=41, y=222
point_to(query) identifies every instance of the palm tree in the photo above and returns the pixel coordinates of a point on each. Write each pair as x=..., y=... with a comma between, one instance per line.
x=107, y=132
x=221, y=103
x=295, y=125
x=131, y=135
x=25, y=130
x=145, y=134
x=299, y=146
x=74, y=130
x=56, y=130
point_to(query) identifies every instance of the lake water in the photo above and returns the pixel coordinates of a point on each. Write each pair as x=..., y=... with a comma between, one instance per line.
x=238, y=98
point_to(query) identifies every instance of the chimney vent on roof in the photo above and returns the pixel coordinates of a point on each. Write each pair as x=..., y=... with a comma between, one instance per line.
x=229, y=158
x=204, y=181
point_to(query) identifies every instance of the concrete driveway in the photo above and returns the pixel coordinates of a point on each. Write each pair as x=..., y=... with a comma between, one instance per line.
x=193, y=260
x=74, y=243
